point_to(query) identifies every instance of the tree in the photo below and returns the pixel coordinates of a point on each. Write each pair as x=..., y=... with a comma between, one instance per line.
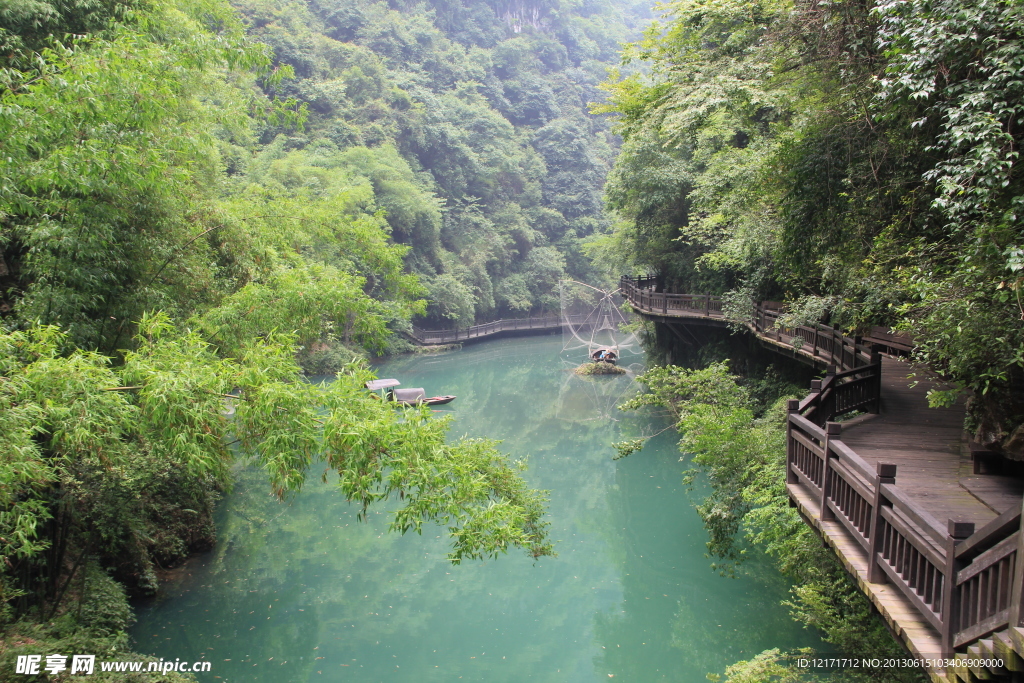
x=162, y=282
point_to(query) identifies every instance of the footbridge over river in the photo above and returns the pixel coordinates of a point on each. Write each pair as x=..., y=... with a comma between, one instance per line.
x=934, y=542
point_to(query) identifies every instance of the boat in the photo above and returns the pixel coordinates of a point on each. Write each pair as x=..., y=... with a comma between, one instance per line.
x=604, y=354
x=406, y=397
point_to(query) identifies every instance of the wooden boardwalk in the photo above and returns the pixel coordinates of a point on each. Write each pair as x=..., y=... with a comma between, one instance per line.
x=926, y=444
x=937, y=548
x=465, y=335
x=929, y=449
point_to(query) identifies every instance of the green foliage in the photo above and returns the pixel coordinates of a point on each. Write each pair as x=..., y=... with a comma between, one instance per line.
x=953, y=66
x=104, y=605
x=470, y=123
x=107, y=144
x=714, y=415
x=133, y=194
x=590, y=369
x=743, y=458
x=95, y=622
x=316, y=303
x=168, y=403
x=28, y=26
x=768, y=666
x=856, y=161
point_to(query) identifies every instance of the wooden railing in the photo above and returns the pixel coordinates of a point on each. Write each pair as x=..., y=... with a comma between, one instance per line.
x=840, y=393
x=963, y=582
x=485, y=330
x=966, y=583
x=640, y=293
x=821, y=343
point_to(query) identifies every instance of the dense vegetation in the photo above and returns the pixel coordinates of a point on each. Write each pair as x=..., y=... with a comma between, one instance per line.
x=465, y=122
x=187, y=214
x=856, y=160
x=732, y=431
x=199, y=200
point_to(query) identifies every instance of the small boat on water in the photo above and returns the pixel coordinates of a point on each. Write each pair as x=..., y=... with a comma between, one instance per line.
x=406, y=397
x=604, y=354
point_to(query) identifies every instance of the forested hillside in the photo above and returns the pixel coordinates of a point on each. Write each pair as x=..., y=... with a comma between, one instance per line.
x=467, y=123
x=857, y=161
x=195, y=198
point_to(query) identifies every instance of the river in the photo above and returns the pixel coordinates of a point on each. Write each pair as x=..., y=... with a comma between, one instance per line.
x=301, y=591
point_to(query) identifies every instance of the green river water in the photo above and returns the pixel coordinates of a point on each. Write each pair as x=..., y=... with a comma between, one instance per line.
x=301, y=591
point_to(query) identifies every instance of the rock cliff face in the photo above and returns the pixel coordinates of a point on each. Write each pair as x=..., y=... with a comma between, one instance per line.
x=996, y=423
x=520, y=14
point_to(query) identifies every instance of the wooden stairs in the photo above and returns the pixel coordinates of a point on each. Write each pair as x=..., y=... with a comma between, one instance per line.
x=1006, y=646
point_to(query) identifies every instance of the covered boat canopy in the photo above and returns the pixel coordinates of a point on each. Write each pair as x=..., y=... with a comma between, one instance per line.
x=410, y=395
x=376, y=384
x=406, y=397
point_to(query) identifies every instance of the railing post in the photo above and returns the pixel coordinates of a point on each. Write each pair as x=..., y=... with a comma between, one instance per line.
x=835, y=331
x=816, y=389
x=1017, y=587
x=885, y=473
x=958, y=531
x=827, y=408
x=707, y=305
x=815, y=351
x=857, y=339
x=876, y=385
x=832, y=431
x=792, y=406
x=664, y=303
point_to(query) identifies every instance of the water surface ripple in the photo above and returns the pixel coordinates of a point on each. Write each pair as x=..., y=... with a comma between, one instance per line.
x=301, y=591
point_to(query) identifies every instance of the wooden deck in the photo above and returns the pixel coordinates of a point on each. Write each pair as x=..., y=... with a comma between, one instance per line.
x=929, y=449
x=934, y=545
x=934, y=469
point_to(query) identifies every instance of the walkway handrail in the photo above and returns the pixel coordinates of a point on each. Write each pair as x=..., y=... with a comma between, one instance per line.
x=820, y=343
x=967, y=584
x=549, y=322
x=960, y=581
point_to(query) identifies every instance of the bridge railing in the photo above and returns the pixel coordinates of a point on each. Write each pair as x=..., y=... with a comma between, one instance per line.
x=840, y=393
x=818, y=342
x=486, y=329
x=640, y=292
x=965, y=583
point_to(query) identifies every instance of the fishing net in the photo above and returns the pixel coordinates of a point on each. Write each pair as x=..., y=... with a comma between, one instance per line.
x=594, y=319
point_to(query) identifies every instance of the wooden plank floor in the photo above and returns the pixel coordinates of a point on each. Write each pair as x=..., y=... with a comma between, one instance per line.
x=927, y=446
x=906, y=623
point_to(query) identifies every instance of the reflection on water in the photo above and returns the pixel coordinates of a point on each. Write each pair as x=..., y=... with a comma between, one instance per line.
x=303, y=592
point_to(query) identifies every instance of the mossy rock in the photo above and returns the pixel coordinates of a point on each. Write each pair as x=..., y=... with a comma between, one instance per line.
x=599, y=369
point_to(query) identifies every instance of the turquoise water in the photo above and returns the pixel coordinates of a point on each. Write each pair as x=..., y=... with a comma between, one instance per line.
x=301, y=591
